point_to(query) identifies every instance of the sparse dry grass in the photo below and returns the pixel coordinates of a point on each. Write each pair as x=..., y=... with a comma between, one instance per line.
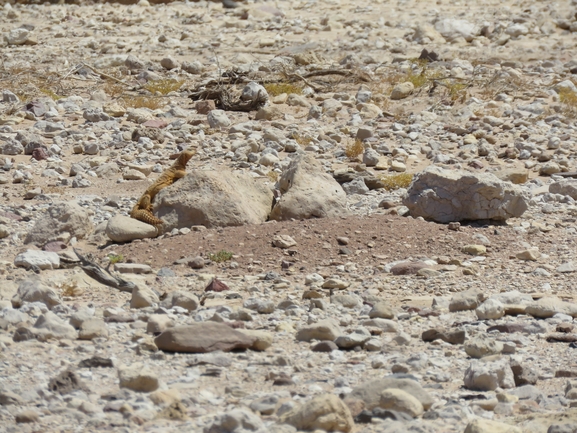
x=273, y=176
x=568, y=101
x=164, y=86
x=396, y=181
x=354, y=149
x=275, y=89
x=152, y=102
x=302, y=140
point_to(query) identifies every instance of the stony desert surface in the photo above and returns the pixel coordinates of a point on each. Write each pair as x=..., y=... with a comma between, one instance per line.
x=376, y=231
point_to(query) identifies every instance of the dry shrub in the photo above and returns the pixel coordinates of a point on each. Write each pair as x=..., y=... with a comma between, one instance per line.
x=152, y=102
x=396, y=181
x=163, y=86
x=568, y=99
x=302, y=140
x=354, y=149
x=275, y=89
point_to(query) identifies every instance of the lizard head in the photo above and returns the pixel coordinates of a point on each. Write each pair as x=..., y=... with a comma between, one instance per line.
x=186, y=155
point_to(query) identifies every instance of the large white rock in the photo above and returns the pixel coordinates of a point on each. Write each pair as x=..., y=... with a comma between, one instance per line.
x=214, y=199
x=451, y=28
x=489, y=373
x=66, y=219
x=38, y=259
x=121, y=228
x=452, y=195
x=308, y=191
x=237, y=420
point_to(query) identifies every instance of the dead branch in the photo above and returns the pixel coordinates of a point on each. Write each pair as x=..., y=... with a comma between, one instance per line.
x=224, y=100
x=103, y=276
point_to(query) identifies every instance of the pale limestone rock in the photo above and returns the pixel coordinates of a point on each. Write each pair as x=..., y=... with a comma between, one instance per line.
x=326, y=412
x=401, y=401
x=138, y=377
x=121, y=228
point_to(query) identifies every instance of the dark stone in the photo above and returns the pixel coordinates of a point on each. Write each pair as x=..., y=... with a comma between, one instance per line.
x=456, y=336
x=55, y=246
x=65, y=383
x=325, y=346
x=205, y=107
x=96, y=362
x=566, y=373
x=40, y=153
x=283, y=379
x=23, y=334
x=364, y=417
x=229, y=4
x=561, y=338
x=429, y=56
x=523, y=375
x=394, y=415
x=562, y=428
x=216, y=286
x=565, y=327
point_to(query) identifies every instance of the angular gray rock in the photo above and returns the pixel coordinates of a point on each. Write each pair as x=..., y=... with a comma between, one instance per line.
x=33, y=290
x=236, y=421
x=214, y=199
x=203, y=337
x=565, y=187
x=489, y=373
x=467, y=300
x=50, y=326
x=181, y=299
x=61, y=219
x=451, y=195
x=307, y=192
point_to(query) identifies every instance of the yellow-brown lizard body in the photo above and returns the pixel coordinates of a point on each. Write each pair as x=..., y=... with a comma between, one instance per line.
x=142, y=210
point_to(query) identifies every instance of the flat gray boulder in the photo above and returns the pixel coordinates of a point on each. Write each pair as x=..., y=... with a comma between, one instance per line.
x=32, y=290
x=37, y=259
x=308, y=192
x=61, y=220
x=370, y=392
x=202, y=338
x=214, y=199
x=452, y=195
x=565, y=187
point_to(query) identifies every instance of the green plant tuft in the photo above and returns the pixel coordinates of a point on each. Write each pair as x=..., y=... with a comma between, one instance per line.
x=115, y=258
x=221, y=256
